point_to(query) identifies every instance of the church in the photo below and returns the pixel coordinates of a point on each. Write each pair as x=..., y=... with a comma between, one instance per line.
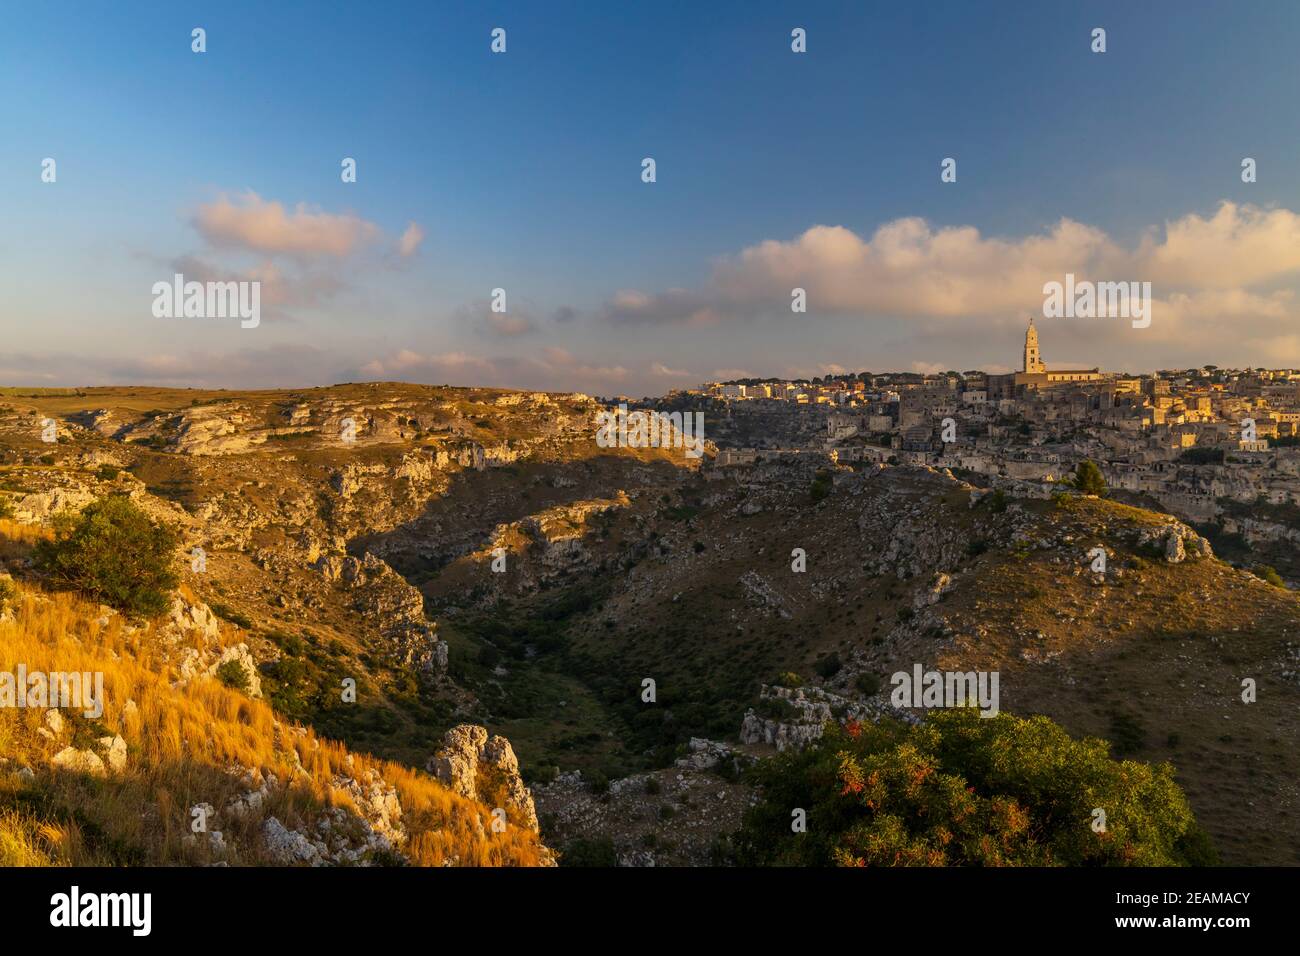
x=1036, y=374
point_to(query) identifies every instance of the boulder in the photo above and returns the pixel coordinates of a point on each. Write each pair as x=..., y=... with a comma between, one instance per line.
x=79, y=761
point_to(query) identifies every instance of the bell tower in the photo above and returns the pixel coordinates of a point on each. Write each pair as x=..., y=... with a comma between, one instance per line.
x=1033, y=358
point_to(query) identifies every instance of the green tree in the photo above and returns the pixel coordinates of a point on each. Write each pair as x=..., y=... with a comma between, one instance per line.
x=115, y=553
x=1088, y=478
x=961, y=789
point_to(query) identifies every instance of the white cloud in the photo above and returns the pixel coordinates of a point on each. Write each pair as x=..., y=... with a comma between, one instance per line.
x=909, y=268
x=253, y=223
x=410, y=241
x=660, y=370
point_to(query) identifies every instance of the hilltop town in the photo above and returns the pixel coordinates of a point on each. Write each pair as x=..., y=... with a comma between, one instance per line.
x=1219, y=448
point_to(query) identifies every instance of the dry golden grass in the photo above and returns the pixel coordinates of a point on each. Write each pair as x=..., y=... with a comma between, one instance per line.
x=183, y=745
x=17, y=540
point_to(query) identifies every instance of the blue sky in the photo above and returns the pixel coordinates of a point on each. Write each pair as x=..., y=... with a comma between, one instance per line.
x=522, y=171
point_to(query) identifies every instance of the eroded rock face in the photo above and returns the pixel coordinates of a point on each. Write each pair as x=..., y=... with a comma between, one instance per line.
x=468, y=754
x=807, y=709
x=288, y=847
x=193, y=632
x=1177, y=541
x=457, y=759
x=397, y=607
x=187, y=619
x=44, y=505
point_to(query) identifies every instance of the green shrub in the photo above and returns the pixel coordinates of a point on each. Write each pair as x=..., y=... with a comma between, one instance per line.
x=829, y=665
x=227, y=613
x=234, y=675
x=775, y=708
x=6, y=507
x=8, y=591
x=1269, y=574
x=598, y=852
x=867, y=683
x=107, y=472
x=115, y=553
x=821, y=486
x=963, y=790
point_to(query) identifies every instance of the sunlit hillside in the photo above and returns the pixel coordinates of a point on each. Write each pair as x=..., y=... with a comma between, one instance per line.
x=199, y=744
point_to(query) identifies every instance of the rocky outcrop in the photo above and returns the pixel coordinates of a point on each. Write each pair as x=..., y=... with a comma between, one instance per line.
x=289, y=847
x=801, y=714
x=193, y=633
x=43, y=505
x=704, y=754
x=385, y=597
x=479, y=766
x=1176, y=541
x=369, y=831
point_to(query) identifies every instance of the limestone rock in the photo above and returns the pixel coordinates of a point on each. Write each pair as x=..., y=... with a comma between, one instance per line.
x=288, y=847
x=79, y=761
x=114, y=749
x=466, y=751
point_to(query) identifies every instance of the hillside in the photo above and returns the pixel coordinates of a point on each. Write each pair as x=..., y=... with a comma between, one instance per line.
x=761, y=600
x=175, y=748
